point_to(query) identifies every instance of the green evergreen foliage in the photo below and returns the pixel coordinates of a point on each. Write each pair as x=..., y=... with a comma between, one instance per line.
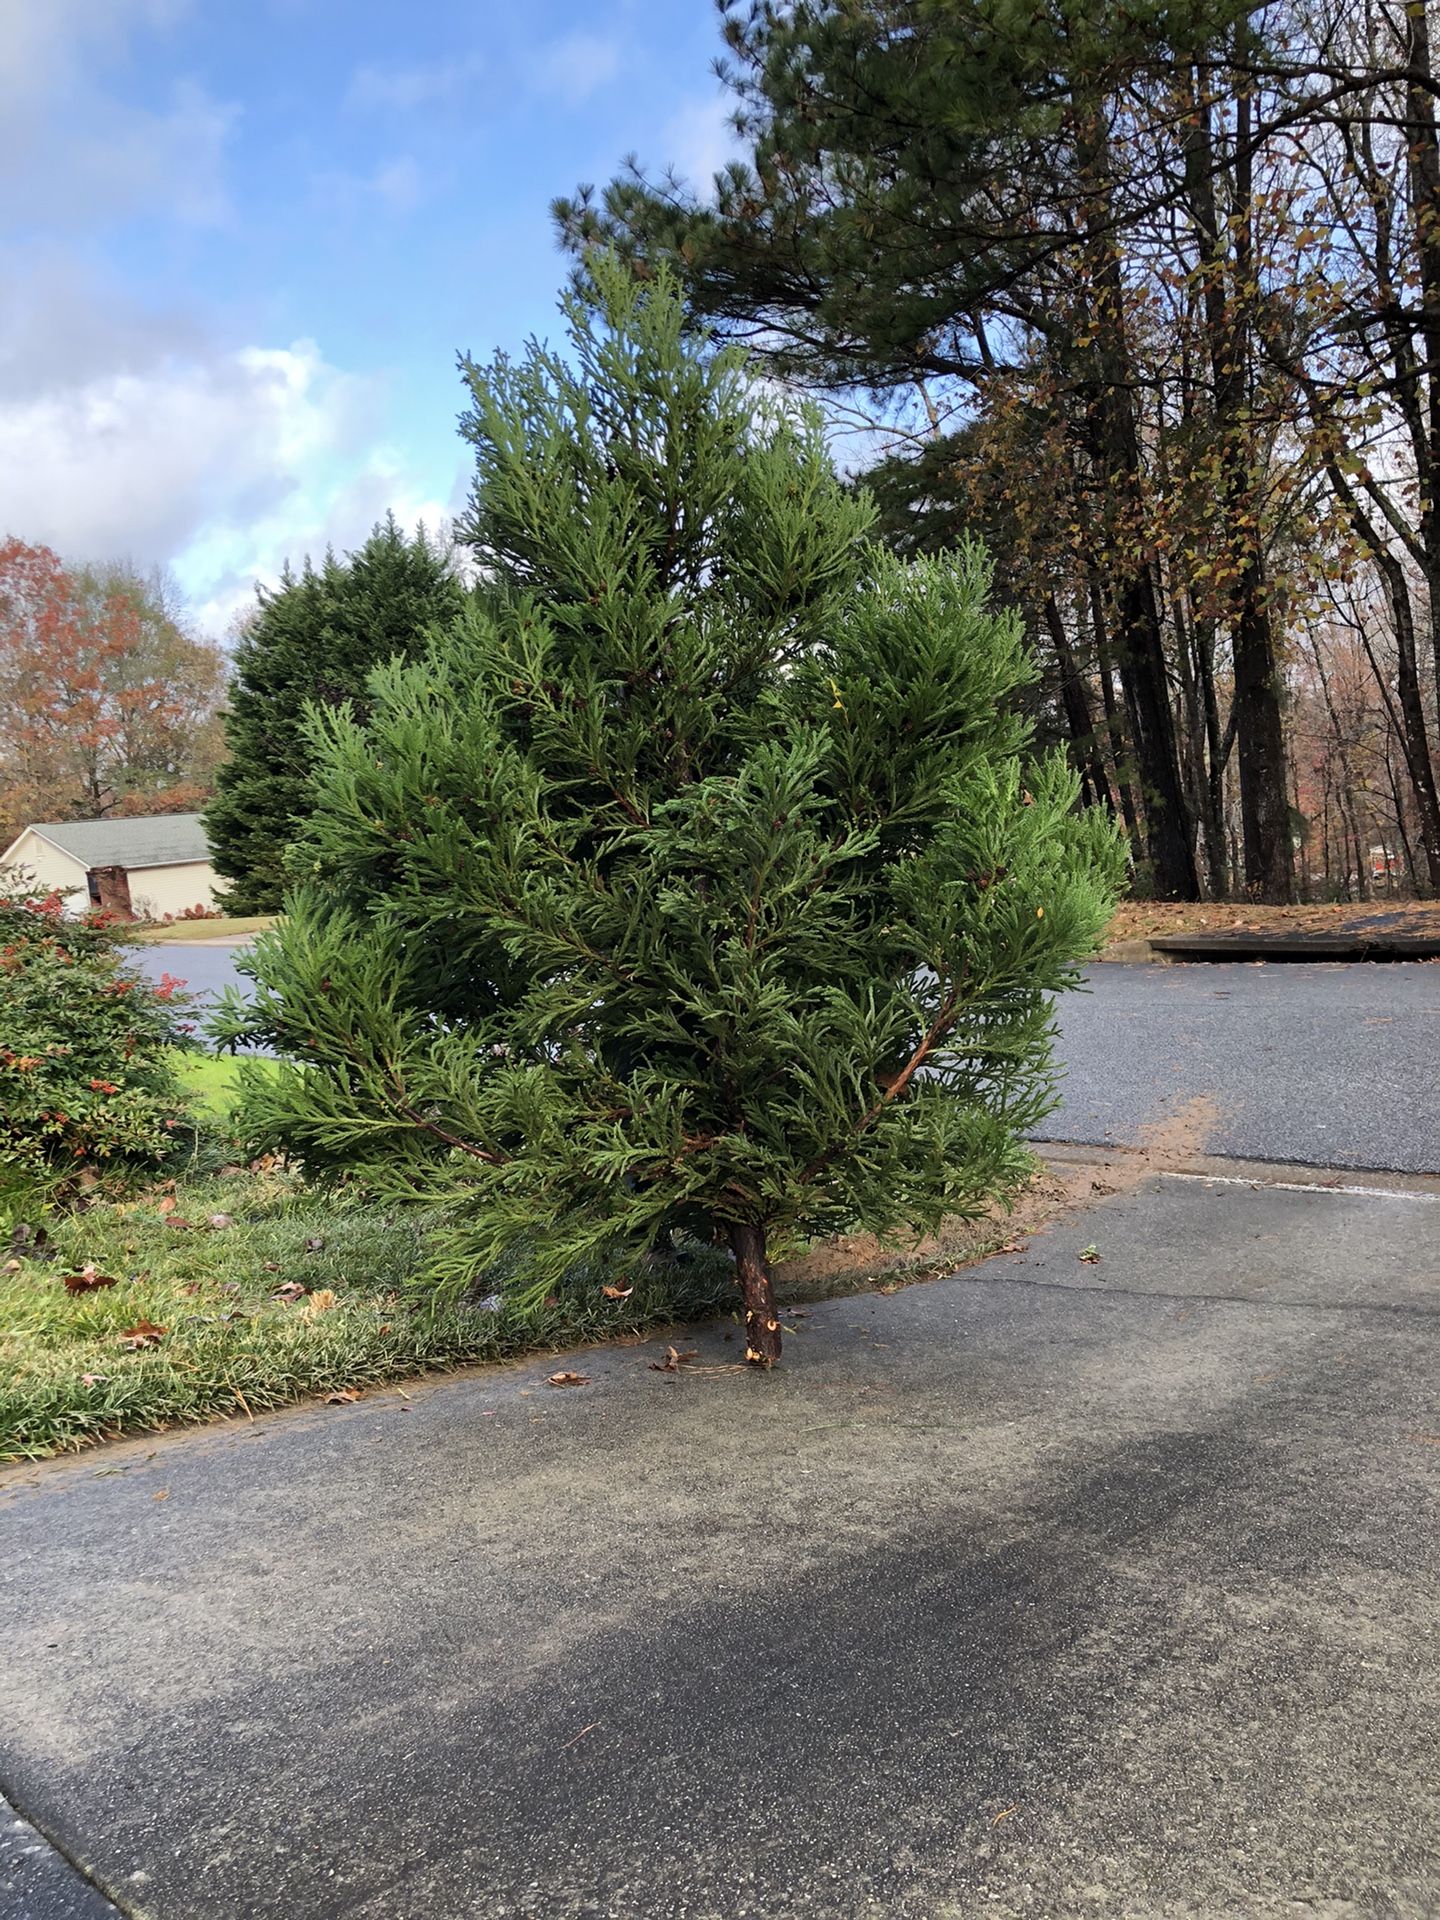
x=314, y=638
x=87, y=1087
x=692, y=882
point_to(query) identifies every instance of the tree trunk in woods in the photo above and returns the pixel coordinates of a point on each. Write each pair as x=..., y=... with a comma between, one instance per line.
x=1408, y=716
x=762, y=1322
x=1227, y=263
x=1422, y=146
x=1136, y=632
x=1079, y=721
x=1114, y=727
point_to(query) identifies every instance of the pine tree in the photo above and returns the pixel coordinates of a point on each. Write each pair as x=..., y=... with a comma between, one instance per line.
x=315, y=638
x=693, y=881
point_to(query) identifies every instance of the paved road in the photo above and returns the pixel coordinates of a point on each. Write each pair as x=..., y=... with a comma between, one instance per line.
x=1328, y=1065
x=205, y=970
x=1051, y=1590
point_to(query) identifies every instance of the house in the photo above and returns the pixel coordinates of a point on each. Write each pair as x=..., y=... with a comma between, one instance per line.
x=144, y=868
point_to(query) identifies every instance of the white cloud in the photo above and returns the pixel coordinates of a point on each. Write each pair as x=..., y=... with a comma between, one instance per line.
x=698, y=140
x=161, y=443
x=84, y=153
x=577, y=66
x=403, y=89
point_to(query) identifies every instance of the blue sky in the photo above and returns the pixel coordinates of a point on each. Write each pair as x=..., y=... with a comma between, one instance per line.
x=244, y=240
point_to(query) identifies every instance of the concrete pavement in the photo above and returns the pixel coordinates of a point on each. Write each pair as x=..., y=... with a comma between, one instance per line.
x=1057, y=1588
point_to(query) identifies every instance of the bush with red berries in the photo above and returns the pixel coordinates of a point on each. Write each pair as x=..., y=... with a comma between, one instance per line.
x=86, y=1083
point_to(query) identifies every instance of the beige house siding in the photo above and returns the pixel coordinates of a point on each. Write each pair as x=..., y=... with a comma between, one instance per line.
x=52, y=867
x=156, y=891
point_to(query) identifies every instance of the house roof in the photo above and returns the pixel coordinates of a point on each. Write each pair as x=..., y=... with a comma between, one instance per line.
x=157, y=840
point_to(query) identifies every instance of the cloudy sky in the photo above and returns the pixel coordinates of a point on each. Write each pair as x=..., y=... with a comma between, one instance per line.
x=244, y=240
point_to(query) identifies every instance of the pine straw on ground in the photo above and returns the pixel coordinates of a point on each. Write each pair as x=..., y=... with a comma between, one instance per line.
x=1142, y=919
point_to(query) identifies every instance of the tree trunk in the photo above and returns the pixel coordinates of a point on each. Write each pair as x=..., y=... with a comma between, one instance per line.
x=1079, y=721
x=1114, y=725
x=1422, y=147
x=1212, y=818
x=1227, y=271
x=1114, y=442
x=1260, y=745
x=762, y=1322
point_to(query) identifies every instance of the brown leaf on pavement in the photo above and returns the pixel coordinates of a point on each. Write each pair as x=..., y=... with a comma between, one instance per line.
x=569, y=1380
x=673, y=1360
x=343, y=1396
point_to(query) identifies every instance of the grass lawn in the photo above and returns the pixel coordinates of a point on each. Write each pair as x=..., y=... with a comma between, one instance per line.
x=217, y=1296
x=268, y=1294
x=233, y=927
x=208, y=1079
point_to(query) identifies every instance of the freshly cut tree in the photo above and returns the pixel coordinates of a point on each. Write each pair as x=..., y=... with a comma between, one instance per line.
x=694, y=881
x=313, y=638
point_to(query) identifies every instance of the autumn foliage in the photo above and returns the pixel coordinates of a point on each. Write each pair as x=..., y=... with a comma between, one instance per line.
x=106, y=703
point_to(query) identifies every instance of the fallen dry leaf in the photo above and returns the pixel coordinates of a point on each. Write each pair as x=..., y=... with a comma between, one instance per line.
x=1015, y=1246
x=673, y=1360
x=569, y=1380
x=93, y=1379
x=12, y=1266
x=319, y=1302
x=176, y=1221
x=87, y=1280
x=168, y=1204
x=343, y=1397
x=219, y=1221
x=270, y=1266
x=163, y=1494
x=292, y=1290
x=144, y=1333
x=617, y=1293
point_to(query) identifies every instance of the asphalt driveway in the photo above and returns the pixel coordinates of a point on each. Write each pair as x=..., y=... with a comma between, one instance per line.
x=1333, y=1066
x=1324, y=1065
x=1060, y=1587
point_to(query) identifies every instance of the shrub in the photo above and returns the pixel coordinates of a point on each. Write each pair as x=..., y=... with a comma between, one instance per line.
x=701, y=880
x=86, y=1084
